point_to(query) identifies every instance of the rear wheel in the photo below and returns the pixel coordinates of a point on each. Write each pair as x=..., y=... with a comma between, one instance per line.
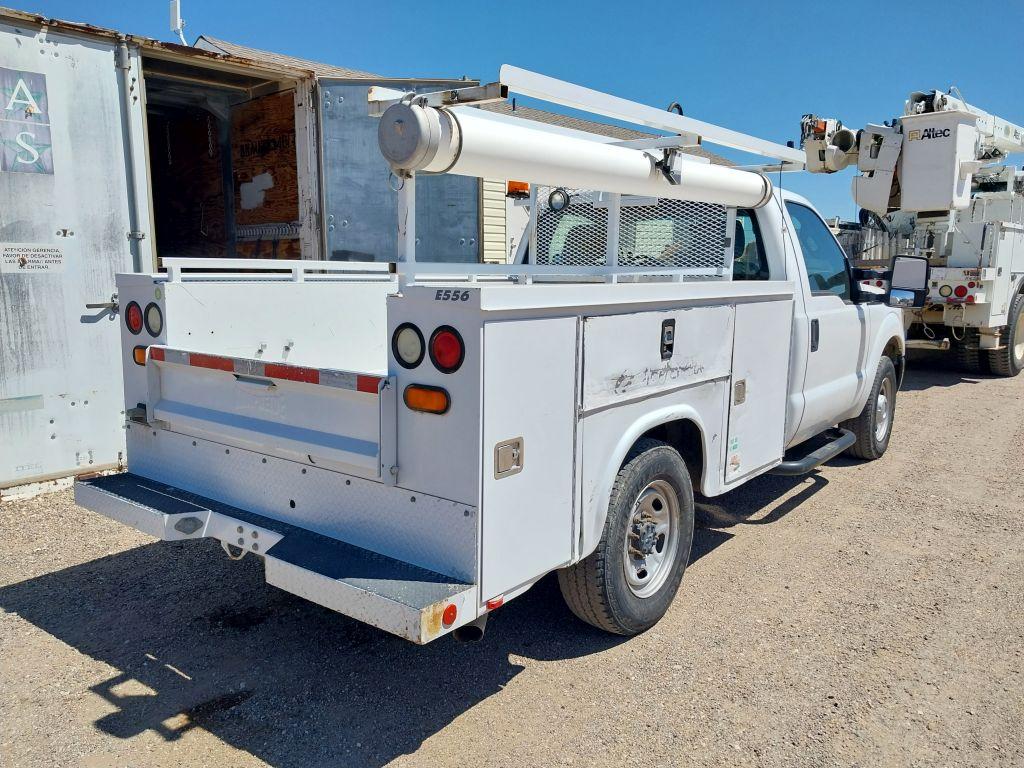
x=626, y=585
x=1009, y=361
x=967, y=356
x=873, y=427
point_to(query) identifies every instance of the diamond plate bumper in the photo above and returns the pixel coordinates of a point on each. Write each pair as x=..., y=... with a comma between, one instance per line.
x=390, y=594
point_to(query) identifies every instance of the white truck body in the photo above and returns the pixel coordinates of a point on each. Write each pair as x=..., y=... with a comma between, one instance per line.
x=271, y=409
x=935, y=178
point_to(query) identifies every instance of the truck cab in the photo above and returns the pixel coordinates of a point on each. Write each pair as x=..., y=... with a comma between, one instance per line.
x=840, y=331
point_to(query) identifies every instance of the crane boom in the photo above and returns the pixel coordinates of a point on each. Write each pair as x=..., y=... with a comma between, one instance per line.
x=927, y=161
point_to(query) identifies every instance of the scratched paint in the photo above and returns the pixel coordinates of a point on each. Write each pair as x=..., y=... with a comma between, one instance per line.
x=667, y=374
x=623, y=353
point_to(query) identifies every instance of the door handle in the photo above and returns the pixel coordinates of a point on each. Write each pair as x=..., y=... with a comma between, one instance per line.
x=110, y=305
x=815, y=335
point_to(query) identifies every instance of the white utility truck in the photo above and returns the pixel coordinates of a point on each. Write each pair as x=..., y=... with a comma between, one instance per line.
x=414, y=445
x=936, y=177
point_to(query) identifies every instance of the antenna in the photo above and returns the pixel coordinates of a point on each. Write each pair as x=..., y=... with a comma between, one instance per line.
x=178, y=23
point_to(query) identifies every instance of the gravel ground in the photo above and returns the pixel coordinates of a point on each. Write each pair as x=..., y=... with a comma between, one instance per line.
x=867, y=615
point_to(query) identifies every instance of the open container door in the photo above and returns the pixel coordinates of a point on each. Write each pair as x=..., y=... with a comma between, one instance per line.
x=360, y=204
x=70, y=143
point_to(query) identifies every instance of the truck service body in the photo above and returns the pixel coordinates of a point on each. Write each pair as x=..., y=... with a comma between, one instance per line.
x=414, y=446
x=935, y=182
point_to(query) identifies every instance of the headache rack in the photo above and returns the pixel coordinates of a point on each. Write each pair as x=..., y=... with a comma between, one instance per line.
x=580, y=235
x=600, y=209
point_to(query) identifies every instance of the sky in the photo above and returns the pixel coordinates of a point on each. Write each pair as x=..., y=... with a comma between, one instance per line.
x=754, y=67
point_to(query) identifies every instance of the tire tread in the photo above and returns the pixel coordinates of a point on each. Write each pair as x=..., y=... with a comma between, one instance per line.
x=863, y=424
x=1000, y=361
x=583, y=584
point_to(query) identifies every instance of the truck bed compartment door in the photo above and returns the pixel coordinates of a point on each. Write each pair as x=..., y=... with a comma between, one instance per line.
x=760, y=378
x=529, y=435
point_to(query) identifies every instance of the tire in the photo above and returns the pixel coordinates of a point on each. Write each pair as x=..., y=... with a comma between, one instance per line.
x=597, y=589
x=873, y=427
x=967, y=356
x=1009, y=361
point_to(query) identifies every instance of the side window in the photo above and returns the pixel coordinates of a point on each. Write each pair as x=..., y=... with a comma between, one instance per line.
x=749, y=261
x=825, y=260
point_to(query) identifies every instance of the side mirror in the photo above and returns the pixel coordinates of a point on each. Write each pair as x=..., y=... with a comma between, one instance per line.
x=908, y=286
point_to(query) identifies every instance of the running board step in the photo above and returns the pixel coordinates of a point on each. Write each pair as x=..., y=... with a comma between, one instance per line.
x=838, y=441
x=393, y=595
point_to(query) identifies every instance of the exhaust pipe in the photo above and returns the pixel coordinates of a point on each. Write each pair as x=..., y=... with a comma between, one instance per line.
x=472, y=632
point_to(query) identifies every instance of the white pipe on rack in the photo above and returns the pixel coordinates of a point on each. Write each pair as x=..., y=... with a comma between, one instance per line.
x=462, y=142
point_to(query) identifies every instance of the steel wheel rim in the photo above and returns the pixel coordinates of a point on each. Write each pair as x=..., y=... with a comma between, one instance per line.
x=651, y=538
x=1018, y=337
x=883, y=410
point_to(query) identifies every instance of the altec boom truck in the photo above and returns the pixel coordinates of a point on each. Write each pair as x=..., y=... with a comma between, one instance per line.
x=936, y=177
x=415, y=444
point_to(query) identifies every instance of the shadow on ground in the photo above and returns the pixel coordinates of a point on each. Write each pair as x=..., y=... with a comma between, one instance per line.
x=198, y=641
x=927, y=369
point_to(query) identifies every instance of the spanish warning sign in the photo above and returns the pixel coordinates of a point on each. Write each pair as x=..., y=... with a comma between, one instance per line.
x=30, y=258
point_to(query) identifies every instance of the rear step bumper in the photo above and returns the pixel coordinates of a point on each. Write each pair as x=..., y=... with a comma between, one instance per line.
x=390, y=594
x=838, y=441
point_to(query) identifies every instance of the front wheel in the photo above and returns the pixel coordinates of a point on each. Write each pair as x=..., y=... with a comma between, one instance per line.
x=626, y=585
x=873, y=427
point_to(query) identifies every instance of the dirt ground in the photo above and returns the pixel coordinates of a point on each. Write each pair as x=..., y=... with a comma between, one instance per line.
x=867, y=615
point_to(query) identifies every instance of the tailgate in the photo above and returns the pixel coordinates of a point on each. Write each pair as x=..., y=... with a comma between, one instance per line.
x=338, y=419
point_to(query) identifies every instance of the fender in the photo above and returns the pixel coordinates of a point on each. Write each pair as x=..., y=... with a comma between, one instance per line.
x=890, y=327
x=595, y=510
x=1018, y=286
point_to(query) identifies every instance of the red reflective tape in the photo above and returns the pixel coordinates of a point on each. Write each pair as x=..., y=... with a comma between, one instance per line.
x=199, y=360
x=156, y=353
x=291, y=373
x=369, y=384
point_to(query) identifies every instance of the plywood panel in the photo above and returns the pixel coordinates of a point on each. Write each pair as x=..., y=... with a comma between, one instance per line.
x=264, y=161
x=269, y=249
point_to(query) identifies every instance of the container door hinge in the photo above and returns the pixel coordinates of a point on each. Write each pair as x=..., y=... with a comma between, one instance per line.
x=136, y=235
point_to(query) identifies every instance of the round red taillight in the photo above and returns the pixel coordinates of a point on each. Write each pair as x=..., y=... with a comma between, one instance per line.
x=970, y=284
x=879, y=283
x=449, y=614
x=970, y=299
x=446, y=349
x=960, y=291
x=133, y=318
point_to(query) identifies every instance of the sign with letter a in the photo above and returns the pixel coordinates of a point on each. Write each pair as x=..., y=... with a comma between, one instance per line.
x=24, y=123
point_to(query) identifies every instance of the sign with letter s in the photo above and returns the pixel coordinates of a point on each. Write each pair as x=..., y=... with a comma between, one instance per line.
x=25, y=145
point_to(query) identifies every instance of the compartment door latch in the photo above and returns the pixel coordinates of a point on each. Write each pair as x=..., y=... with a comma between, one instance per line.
x=508, y=458
x=668, y=338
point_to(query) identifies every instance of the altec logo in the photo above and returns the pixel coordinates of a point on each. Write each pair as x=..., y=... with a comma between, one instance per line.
x=929, y=133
